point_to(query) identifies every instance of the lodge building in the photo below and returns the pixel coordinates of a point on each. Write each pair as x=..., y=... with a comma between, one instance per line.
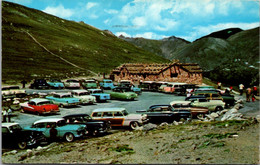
x=169, y=72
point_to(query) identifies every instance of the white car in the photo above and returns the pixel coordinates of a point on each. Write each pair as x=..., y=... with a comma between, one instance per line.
x=71, y=83
x=84, y=96
x=119, y=117
x=212, y=105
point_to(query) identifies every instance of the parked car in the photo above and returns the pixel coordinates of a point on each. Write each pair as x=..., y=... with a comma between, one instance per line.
x=10, y=92
x=14, y=136
x=195, y=111
x=39, y=84
x=56, y=83
x=89, y=84
x=131, y=87
x=212, y=105
x=148, y=86
x=63, y=99
x=107, y=84
x=99, y=94
x=209, y=94
x=64, y=131
x=84, y=96
x=40, y=106
x=72, y=83
x=165, y=113
x=122, y=93
x=94, y=127
x=195, y=97
x=119, y=117
x=186, y=88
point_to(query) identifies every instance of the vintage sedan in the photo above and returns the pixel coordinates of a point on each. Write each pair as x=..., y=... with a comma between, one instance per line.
x=56, y=83
x=84, y=96
x=165, y=113
x=14, y=91
x=72, y=83
x=64, y=131
x=212, y=105
x=122, y=93
x=195, y=111
x=89, y=84
x=119, y=117
x=63, y=99
x=132, y=87
x=14, y=136
x=40, y=106
x=99, y=94
x=94, y=127
x=39, y=84
x=107, y=84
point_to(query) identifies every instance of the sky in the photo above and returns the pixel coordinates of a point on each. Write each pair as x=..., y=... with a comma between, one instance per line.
x=155, y=19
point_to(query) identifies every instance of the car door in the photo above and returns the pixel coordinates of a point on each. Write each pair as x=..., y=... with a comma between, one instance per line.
x=118, y=118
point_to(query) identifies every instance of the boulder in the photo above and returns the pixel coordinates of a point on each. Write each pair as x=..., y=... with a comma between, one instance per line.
x=232, y=114
x=149, y=126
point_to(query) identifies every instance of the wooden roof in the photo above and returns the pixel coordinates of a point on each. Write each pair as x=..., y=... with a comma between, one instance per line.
x=156, y=68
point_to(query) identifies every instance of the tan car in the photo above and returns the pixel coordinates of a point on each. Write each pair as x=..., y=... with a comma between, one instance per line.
x=196, y=112
x=119, y=117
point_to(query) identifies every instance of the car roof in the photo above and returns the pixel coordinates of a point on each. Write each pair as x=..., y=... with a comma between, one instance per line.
x=48, y=120
x=63, y=93
x=160, y=105
x=108, y=109
x=9, y=124
x=180, y=102
x=94, y=89
x=206, y=91
x=37, y=100
x=74, y=115
x=79, y=91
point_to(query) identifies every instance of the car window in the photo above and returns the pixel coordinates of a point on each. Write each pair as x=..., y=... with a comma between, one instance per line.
x=107, y=114
x=61, y=123
x=39, y=125
x=31, y=103
x=44, y=102
x=215, y=95
x=125, y=113
x=203, y=100
x=118, y=114
x=97, y=114
x=5, y=130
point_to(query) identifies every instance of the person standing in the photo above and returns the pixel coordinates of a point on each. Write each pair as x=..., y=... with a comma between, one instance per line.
x=23, y=83
x=9, y=114
x=241, y=89
x=219, y=85
x=53, y=133
x=4, y=113
x=254, y=93
x=248, y=94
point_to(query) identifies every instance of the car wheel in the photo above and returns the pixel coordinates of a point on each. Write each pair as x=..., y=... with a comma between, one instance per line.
x=38, y=114
x=218, y=108
x=69, y=137
x=22, y=145
x=199, y=116
x=134, y=125
x=61, y=105
x=95, y=133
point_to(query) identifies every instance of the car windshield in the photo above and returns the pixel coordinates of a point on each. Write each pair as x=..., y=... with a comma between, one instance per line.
x=75, y=81
x=83, y=93
x=64, y=96
x=44, y=103
x=108, y=81
x=15, y=128
x=14, y=87
x=125, y=112
x=97, y=91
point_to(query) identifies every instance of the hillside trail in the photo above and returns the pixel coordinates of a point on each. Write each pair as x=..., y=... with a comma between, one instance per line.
x=47, y=50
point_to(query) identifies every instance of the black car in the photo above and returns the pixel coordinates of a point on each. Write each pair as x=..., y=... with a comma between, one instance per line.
x=94, y=127
x=165, y=113
x=14, y=136
x=40, y=84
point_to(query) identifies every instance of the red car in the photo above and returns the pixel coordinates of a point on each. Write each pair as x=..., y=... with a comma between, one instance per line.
x=40, y=106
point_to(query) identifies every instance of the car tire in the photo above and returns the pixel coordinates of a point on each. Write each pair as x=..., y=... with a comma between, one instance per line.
x=95, y=133
x=218, y=109
x=134, y=125
x=69, y=137
x=61, y=105
x=22, y=145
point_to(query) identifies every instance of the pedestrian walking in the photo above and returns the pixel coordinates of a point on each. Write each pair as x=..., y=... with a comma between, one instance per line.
x=219, y=85
x=254, y=93
x=248, y=94
x=241, y=89
x=9, y=114
x=4, y=113
x=23, y=83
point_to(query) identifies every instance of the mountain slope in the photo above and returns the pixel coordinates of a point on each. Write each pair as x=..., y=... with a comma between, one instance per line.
x=86, y=47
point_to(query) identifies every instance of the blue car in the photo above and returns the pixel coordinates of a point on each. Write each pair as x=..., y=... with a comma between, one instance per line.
x=65, y=131
x=107, y=84
x=64, y=99
x=100, y=96
x=55, y=83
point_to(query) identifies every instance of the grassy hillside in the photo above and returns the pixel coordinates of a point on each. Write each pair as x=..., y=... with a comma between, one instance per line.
x=88, y=48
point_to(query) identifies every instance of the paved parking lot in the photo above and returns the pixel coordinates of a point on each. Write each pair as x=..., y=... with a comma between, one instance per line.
x=143, y=101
